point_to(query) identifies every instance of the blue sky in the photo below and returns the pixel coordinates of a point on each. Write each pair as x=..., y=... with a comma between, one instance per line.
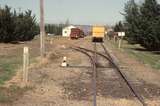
x=77, y=11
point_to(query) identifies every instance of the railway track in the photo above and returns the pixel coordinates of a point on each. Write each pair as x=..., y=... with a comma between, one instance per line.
x=107, y=56
x=93, y=64
x=130, y=86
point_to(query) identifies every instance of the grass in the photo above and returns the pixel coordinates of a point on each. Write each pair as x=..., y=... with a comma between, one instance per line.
x=8, y=67
x=136, y=51
x=8, y=95
x=10, y=61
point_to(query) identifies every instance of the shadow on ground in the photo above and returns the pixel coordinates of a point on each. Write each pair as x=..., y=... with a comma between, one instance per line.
x=145, y=50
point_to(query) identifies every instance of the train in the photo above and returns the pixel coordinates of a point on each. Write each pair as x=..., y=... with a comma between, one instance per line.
x=98, y=33
x=76, y=33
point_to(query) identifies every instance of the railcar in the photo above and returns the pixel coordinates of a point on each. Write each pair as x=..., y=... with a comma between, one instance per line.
x=98, y=33
x=76, y=33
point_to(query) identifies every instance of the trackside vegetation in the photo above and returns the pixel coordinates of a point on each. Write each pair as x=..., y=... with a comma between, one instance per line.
x=142, y=23
x=55, y=29
x=17, y=26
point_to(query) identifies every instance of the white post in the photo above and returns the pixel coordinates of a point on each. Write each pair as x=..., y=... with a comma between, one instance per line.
x=120, y=35
x=25, y=64
x=64, y=62
x=119, y=43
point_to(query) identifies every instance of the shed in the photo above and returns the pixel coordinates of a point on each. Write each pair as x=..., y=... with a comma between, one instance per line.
x=67, y=30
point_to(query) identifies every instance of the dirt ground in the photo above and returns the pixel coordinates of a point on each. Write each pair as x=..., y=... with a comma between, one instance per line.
x=145, y=79
x=54, y=85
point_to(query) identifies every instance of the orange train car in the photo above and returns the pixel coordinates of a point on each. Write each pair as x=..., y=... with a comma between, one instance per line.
x=98, y=33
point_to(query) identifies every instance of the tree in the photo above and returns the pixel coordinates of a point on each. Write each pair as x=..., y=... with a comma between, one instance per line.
x=119, y=27
x=132, y=18
x=6, y=25
x=54, y=28
x=17, y=27
x=143, y=23
x=26, y=27
x=67, y=23
x=150, y=25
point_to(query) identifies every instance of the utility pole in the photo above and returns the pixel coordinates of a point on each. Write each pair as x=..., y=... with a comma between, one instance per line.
x=42, y=30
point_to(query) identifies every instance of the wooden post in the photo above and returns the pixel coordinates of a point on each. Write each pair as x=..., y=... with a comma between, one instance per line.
x=122, y=41
x=25, y=65
x=42, y=29
x=114, y=38
x=51, y=41
x=119, y=43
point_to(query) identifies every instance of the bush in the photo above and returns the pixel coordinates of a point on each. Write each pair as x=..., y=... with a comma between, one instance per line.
x=17, y=27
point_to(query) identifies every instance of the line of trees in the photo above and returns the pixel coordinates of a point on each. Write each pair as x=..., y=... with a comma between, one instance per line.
x=55, y=29
x=142, y=23
x=15, y=26
x=119, y=27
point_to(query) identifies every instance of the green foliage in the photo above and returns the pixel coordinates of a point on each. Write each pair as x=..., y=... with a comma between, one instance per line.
x=8, y=65
x=54, y=28
x=143, y=23
x=6, y=24
x=26, y=27
x=17, y=26
x=119, y=27
x=150, y=25
x=132, y=18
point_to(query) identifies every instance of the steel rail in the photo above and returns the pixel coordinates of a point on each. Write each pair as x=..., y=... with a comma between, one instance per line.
x=93, y=63
x=125, y=78
x=94, y=76
x=115, y=65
